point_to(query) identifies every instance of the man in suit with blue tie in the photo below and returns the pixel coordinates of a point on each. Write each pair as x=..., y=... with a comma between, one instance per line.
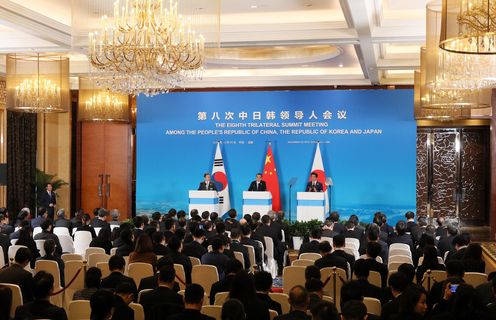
x=49, y=200
x=258, y=184
x=314, y=185
x=207, y=184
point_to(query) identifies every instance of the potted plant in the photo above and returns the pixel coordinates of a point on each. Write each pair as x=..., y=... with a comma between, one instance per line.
x=298, y=230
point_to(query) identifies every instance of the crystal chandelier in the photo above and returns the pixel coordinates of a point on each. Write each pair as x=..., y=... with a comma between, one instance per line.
x=38, y=84
x=146, y=47
x=469, y=26
x=97, y=104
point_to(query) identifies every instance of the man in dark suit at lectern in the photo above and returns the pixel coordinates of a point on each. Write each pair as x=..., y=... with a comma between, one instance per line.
x=49, y=200
x=207, y=184
x=314, y=185
x=258, y=184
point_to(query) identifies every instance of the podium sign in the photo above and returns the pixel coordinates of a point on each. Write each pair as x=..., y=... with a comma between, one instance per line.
x=257, y=201
x=204, y=201
x=310, y=206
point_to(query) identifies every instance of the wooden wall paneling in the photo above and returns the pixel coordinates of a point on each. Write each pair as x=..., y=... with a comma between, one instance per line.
x=92, y=164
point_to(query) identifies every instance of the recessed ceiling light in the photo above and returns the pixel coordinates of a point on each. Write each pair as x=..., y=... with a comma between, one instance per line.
x=340, y=65
x=253, y=6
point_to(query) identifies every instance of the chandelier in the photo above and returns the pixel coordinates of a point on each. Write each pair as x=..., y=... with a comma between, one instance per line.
x=97, y=104
x=37, y=84
x=146, y=47
x=469, y=26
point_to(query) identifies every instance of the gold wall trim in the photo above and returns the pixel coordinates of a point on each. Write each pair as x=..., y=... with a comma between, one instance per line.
x=454, y=123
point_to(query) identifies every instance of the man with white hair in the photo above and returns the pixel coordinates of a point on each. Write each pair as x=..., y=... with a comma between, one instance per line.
x=62, y=221
x=115, y=214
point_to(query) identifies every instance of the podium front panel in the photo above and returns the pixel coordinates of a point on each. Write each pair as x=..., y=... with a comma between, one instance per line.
x=204, y=201
x=310, y=206
x=257, y=201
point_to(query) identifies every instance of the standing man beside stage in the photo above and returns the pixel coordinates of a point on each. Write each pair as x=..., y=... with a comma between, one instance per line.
x=313, y=185
x=207, y=184
x=258, y=184
x=49, y=200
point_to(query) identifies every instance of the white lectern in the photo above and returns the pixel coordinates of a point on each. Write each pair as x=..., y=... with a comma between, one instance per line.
x=257, y=201
x=204, y=201
x=310, y=206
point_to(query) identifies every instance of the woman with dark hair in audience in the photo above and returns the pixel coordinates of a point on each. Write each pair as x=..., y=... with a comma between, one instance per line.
x=243, y=289
x=26, y=239
x=92, y=282
x=430, y=262
x=425, y=240
x=472, y=259
x=233, y=309
x=413, y=304
x=103, y=240
x=143, y=251
x=458, y=303
x=126, y=243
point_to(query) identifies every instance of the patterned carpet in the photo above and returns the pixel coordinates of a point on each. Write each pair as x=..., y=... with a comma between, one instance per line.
x=490, y=249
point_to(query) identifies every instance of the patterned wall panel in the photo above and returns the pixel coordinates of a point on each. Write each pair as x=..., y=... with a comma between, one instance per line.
x=422, y=172
x=444, y=174
x=474, y=172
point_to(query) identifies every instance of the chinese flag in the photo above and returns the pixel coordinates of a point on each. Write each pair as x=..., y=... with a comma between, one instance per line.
x=271, y=180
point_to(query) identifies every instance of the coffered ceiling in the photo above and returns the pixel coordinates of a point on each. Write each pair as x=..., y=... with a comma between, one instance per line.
x=375, y=42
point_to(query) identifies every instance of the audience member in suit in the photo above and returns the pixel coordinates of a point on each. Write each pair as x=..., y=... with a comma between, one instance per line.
x=15, y=274
x=41, y=216
x=26, y=239
x=446, y=243
x=397, y=284
x=455, y=273
x=169, y=228
x=311, y=246
x=362, y=272
x=220, y=230
x=355, y=310
x=373, y=236
x=263, y=285
x=102, y=305
x=5, y=226
x=49, y=247
x=236, y=246
x=472, y=259
x=62, y=222
x=231, y=222
x=325, y=310
x=143, y=252
x=385, y=227
x=47, y=234
x=243, y=289
x=313, y=185
x=195, y=248
x=328, y=229
x=175, y=245
x=351, y=231
x=258, y=184
x=441, y=230
x=401, y=236
x=49, y=200
x=354, y=218
x=115, y=215
x=267, y=230
x=151, y=282
x=103, y=240
x=123, y=295
x=216, y=257
x=247, y=240
x=159, y=247
x=76, y=221
x=410, y=222
x=126, y=243
x=338, y=244
x=485, y=294
x=162, y=300
x=23, y=215
x=337, y=226
x=430, y=262
x=420, y=230
x=299, y=301
x=207, y=184
x=233, y=266
x=117, y=266
x=92, y=283
x=85, y=221
x=41, y=308
x=460, y=244
x=329, y=260
x=139, y=226
x=5, y=243
x=373, y=250
x=315, y=289
x=101, y=221
x=193, y=302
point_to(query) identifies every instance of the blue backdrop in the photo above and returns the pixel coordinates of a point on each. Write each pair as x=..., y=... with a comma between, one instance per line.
x=367, y=142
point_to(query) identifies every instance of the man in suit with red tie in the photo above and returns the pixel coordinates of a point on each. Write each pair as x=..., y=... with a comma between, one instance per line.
x=207, y=184
x=49, y=200
x=258, y=184
x=314, y=185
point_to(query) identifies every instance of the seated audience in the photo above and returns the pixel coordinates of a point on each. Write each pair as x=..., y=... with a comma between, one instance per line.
x=397, y=284
x=151, y=282
x=175, y=245
x=373, y=236
x=92, y=279
x=243, y=289
x=362, y=271
x=41, y=216
x=143, y=252
x=49, y=247
x=472, y=259
x=413, y=303
x=16, y=274
x=441, y=230
x=458, y=304
x=325, y=310
x=102, y=305
x=263, y=285
x=62, y=222
x=338, y=245
x=5, y=226
x=299, y=300
x=351, y=230
x=193, y=301
x=485, y=294
x=328, y=229
x=5, y=302
x=446, y=242
x=430, y=262
x=26, y=239
x=123, y=295
x=101, y=220
x=354, y=310
x=233, y=309
x=159, y=247
x=460, y=244
x=126, y=243
x=315, y=289
x=409, y=271
x=41, y=308
x=231, y=222
x=401, y=235
x=103, y=240
x=233, y=266
x=47, y=234
x=216, y=257
x=85, y=225
x=312, y=246
x=195, y=248
x=329, y=260
x=236, y=246
x=373, y=250
x=455, y=272
x=117, y=266
x=246, y=239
